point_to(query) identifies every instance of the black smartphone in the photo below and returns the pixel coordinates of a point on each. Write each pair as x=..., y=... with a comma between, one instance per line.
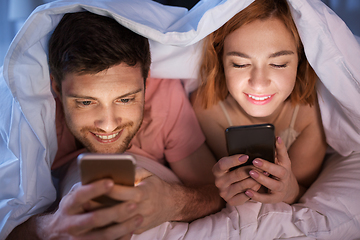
x=256, y=141
x=118, y=167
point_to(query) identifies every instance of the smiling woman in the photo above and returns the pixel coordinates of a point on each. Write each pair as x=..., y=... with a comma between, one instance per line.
x=261, y=68
x=254, y=71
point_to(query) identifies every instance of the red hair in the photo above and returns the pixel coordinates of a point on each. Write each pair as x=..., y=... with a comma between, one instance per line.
x=213, y=84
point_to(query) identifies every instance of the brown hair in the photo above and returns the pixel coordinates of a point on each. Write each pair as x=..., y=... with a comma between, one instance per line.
x=213, y=85
x=87, y=43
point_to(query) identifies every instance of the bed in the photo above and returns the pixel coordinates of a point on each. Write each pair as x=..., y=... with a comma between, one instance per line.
x=330, y=209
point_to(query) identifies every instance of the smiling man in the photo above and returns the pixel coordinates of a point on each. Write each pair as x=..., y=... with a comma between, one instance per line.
x=98, y=71
x=103, y=110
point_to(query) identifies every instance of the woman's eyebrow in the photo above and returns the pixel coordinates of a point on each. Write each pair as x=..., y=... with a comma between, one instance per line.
x=273, y=55
x=238, y=54
x=281, y=53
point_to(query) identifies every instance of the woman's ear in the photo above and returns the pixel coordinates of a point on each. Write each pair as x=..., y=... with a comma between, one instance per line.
x=55, y=87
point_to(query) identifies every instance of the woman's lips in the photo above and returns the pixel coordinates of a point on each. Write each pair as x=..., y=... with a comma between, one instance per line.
x=259, y=99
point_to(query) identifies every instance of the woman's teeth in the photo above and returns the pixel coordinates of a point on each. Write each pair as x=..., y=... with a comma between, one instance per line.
x=258, y=98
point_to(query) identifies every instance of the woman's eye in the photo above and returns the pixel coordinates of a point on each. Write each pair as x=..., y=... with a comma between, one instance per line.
x=240, y=65
x=279, y=66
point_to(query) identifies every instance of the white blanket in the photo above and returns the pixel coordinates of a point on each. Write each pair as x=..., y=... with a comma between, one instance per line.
x=326, y=211
x=27, y=111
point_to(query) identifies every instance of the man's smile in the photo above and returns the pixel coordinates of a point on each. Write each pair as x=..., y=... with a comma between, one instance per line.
x=107, y=138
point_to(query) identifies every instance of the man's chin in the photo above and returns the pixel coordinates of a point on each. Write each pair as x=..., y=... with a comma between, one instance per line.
x=94, y=148
x=106, y=150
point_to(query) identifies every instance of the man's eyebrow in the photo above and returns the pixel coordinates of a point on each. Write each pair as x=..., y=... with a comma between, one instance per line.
x=131, y=93
x=238, y=54
x=92, y=98
x=281, y=53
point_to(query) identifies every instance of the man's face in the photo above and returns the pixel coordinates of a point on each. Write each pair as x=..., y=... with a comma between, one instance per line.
x=104, y=110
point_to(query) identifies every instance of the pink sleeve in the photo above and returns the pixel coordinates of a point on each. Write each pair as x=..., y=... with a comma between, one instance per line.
x=182, y=129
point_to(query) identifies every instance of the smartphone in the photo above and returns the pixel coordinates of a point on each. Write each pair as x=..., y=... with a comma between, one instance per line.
x=118, y=167
x=256, y=141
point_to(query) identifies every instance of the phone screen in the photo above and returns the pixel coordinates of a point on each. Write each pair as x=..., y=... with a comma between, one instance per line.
x=118, y=167
x=256, y=141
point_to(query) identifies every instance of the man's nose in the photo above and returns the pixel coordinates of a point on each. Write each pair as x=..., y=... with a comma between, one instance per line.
x=108, y=119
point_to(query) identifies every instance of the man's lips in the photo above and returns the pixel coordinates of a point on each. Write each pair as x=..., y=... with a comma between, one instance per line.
x=259, y=99
x=107, y=138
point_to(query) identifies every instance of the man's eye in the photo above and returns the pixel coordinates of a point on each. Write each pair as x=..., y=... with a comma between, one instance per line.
x=85, y=103
x=126, y=100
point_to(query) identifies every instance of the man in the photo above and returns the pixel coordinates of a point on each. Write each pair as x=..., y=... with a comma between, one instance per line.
x=98, y=70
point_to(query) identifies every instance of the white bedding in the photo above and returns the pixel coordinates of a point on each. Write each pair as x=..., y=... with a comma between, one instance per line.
x=330, y=213
x=329, y=209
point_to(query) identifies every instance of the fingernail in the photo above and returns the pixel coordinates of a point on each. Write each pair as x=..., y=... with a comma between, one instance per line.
x=109, y=184
x=266, y=173
x=249, y=194
x=279, y=140
x=138, y=221
x=132, y=206
x=243, y=158
x=257, y=162
x=254, y=174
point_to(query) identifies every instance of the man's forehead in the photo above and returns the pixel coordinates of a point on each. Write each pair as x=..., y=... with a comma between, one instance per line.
x=120, y=78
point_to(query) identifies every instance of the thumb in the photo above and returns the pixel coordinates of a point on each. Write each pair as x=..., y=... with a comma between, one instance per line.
x=282, y=157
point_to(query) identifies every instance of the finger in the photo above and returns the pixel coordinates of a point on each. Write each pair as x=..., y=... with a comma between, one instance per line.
x=125, y=193
x=241, y=198
x=226, y=163
x=238, y=200
x=75, y=202
x=282, y=154
x=115, y=231
x=277, y=171
x=232, y=177
x=268, y=182
x=262, y=197
x=103, y=217
x=239, y=187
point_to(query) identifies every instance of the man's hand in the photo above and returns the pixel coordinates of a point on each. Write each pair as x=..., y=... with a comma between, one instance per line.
x=73, y=220
x=282, y=185
x=233, y=184
x=154, y=200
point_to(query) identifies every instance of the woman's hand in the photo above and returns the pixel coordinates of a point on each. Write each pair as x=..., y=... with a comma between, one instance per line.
x=282, y=184
x=232, y=184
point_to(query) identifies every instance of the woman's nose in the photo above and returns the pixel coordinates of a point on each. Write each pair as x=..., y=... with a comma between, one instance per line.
x=259, y=79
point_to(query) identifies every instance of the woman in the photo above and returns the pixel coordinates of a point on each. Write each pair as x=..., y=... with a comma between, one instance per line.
x=254, y=71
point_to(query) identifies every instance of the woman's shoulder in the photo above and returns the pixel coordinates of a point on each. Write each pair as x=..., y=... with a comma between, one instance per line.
x=306, y=116
x=212, y=113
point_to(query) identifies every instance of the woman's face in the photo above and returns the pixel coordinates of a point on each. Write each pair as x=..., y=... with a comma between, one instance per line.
x=260, y=64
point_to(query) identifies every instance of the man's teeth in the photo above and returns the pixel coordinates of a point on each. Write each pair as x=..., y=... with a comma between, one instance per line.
x=259, y=98
x=107, y=136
